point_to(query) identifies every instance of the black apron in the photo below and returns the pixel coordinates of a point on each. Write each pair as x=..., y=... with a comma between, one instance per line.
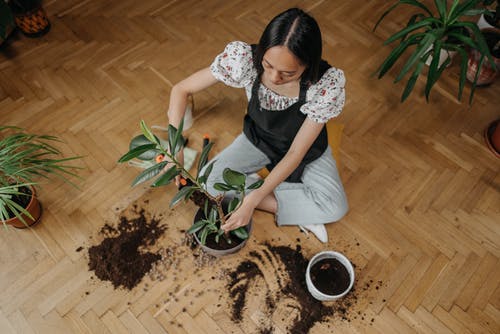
x=273, y=131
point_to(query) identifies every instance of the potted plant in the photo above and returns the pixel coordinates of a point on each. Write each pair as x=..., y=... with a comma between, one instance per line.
x=329, y=276
x=30, y=17
x=490, y=19
x=428, y=33
x=492, y=137
x=24, y=158
x=488, y=72
x=214, y=210
x=6, y=21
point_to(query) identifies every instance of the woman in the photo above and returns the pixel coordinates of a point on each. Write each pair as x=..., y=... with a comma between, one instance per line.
x=292, y=94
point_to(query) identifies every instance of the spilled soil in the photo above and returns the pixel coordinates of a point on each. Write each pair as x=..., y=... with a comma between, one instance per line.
x=123, y=257
x=290, y=286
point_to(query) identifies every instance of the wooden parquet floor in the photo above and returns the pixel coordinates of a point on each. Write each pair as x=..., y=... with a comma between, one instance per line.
x=424, y=223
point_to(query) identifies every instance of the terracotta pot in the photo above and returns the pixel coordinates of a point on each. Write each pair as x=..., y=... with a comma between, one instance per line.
x=33, y=23
x=488, y=73
x=34, y=208
x=313, y=290
x=492, y=137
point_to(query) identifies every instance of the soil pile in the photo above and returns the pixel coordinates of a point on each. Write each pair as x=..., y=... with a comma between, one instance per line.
x=122, y=257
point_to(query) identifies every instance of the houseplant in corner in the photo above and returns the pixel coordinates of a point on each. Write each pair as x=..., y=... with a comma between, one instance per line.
x=214, y=209
x=429, y=32
x=24, y=158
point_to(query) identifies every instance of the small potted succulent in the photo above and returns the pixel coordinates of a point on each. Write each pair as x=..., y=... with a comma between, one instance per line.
x=427, y=34
x=329, y=276
x=213, y=209
x=24, y=158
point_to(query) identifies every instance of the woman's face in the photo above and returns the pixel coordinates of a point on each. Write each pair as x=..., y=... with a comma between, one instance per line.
x=281, y=66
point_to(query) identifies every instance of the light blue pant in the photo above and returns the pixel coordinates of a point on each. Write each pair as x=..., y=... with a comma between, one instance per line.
x=318, y=199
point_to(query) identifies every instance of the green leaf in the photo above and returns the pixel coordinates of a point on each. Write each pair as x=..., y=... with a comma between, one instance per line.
x=175, y=140
x=395, y=54
x=167, y=177
x=205, y=208
x=463, y=72
x=462, y=10
x=385, y=14
x=441, y=7
x=222, y=187
x=432, y=74
x=148, y=133
x=401, y=2
x=414, y=18
x=134, y=153
x=233, y=178
x=17, y=210
x=452, y=11
x=417, y=54
x=181, y=195
x=233, y=204
x=256, y=184
x=400, y=34
x=241, y=233
x=149, y=173
x=203, y=179
x=197, y=226
x=213, y=215
x=203, y=236
x=204, y=157
x=412, y=80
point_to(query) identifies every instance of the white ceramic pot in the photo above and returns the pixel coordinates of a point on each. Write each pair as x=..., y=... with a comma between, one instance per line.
x=483, y=24
x=443, y=55
x=328, y=255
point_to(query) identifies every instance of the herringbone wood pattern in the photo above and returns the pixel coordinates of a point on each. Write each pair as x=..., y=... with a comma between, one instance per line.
x=424, y=191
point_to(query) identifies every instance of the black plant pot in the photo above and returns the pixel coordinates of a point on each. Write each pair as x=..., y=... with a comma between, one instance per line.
x=221, y=249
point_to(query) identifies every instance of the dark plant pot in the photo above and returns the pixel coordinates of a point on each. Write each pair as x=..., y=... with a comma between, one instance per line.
x=488, y=73
x=33, y=23
x=34, y=208
x=221, y=249
x=329, y=271
x=492, y=137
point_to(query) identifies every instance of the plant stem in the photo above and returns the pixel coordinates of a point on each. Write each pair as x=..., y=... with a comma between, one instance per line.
x=216, y=199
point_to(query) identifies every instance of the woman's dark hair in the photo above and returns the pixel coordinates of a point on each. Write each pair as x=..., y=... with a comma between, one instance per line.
x=300, y=33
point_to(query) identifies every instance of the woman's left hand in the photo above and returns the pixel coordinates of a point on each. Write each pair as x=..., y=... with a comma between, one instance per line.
x=240, y=217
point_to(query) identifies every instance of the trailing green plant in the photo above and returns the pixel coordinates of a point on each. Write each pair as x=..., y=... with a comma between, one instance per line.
x=24, y=159
x=168, y=167
x=6, y=19
x=427, y=33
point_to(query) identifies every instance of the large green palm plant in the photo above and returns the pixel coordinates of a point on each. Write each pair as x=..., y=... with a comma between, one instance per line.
x=24, y=159
x=429, y=32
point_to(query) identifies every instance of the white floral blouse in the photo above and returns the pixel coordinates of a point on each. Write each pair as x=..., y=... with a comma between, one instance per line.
x=324, y=99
